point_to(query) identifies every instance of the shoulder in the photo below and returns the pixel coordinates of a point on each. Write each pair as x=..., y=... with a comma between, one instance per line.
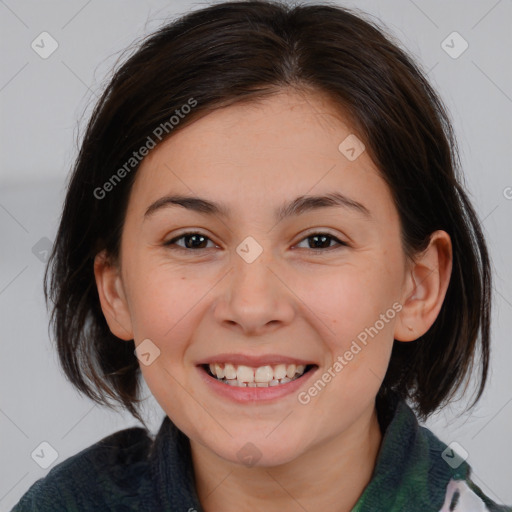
x=466, y=496
x=461, y=494
x=112, y=470
x=420, y=471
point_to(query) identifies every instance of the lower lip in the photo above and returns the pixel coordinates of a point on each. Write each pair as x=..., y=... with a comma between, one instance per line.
x=246, y=395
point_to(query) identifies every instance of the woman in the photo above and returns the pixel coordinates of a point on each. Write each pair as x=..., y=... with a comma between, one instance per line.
x=266, y=222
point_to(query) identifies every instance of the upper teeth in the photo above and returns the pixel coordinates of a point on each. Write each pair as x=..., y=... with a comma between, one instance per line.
x=261, y=374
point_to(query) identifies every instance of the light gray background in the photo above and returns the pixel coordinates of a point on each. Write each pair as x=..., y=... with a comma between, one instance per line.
x=43, y=99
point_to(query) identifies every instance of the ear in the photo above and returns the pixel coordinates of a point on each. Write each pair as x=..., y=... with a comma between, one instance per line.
x=112, y=297
x=425, y=288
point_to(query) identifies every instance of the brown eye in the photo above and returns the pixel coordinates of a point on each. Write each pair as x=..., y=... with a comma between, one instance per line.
x=191, y=241
x=322, y=241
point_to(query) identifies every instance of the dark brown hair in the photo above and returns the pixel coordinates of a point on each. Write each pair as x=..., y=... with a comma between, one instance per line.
x=242, y=51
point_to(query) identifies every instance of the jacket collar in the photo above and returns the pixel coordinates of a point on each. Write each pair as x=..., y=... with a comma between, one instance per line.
x=409, y=469
x=410, y=472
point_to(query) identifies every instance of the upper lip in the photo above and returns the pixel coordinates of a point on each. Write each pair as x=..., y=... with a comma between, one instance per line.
x=254, y=361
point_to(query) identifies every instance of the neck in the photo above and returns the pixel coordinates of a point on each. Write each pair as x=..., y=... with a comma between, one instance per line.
x=329, y=477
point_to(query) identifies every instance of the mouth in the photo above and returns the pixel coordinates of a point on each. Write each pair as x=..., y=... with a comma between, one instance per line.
x=256, y=377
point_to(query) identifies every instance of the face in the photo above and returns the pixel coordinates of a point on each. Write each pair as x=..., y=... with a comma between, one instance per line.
x=257, y=292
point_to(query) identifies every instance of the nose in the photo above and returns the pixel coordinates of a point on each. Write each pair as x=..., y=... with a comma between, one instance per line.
x=255, y=298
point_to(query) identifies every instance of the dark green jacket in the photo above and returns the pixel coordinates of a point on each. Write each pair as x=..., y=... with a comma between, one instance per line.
x=128, y=471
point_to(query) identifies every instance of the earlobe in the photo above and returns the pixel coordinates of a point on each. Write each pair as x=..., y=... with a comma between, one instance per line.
x=112, y=297
x=425, y=288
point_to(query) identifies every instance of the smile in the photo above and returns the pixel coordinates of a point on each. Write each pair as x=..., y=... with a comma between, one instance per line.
x=252, y=377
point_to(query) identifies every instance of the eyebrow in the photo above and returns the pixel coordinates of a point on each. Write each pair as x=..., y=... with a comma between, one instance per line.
x=297, y=206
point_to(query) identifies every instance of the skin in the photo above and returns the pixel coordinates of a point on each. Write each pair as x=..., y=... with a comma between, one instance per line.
x=293, y=299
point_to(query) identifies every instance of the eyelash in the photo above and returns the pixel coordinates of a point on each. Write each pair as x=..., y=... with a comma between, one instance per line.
x=172, y=243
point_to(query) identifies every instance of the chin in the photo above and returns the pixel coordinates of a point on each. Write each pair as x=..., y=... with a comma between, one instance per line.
x=260, y=453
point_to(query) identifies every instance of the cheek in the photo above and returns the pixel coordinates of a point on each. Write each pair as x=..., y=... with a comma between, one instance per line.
x=350, y=298
x=162, y=301
x=356, y=303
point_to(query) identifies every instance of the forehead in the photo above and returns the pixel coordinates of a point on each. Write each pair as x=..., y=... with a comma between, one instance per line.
x=281, y=146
